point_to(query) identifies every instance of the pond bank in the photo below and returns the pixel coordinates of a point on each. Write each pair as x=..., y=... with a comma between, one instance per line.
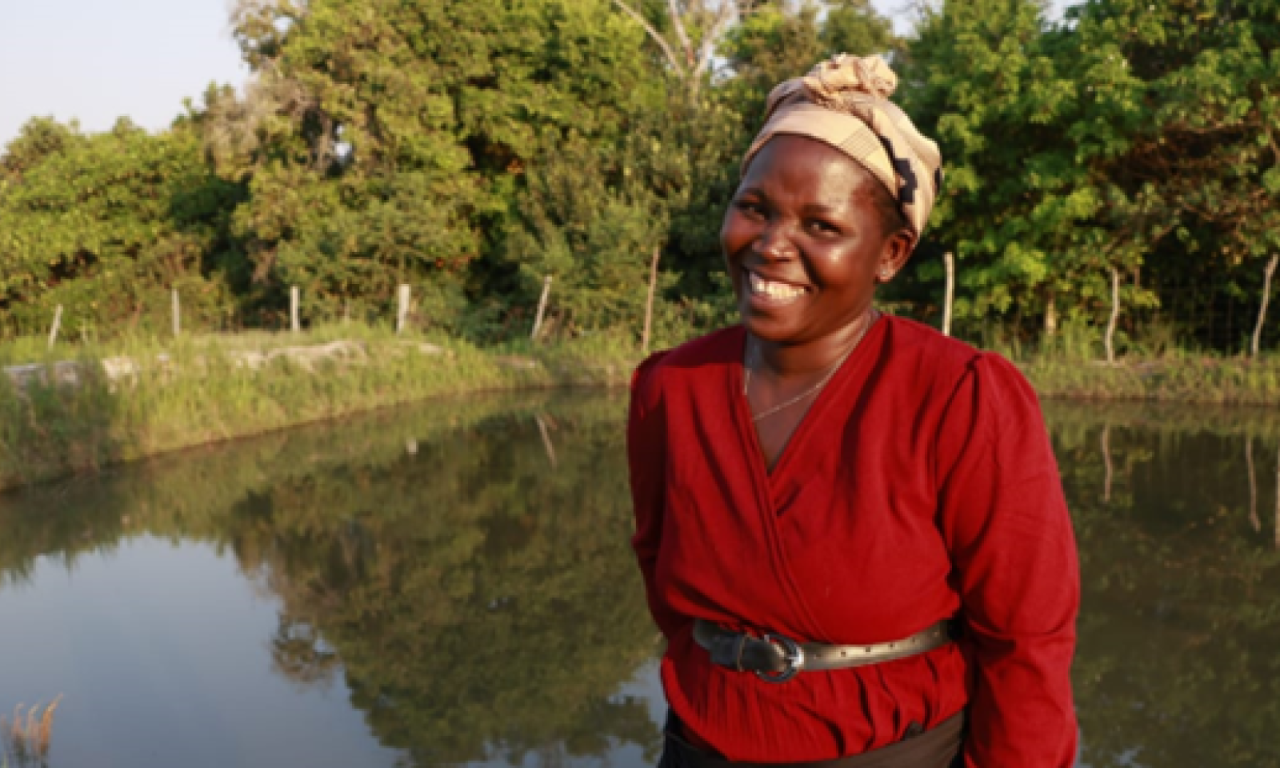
x=62, y=417
x=65, y=417
x=1204, y=380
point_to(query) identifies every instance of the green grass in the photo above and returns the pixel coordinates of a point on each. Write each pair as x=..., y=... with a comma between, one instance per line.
x=193, y=391
x=1169, y=378
x=1149, y=366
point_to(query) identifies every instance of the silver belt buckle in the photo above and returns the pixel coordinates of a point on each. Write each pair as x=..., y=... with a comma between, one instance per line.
x=792, y=654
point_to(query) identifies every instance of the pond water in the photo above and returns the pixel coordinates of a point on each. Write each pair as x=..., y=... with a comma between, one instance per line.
x=451, y=584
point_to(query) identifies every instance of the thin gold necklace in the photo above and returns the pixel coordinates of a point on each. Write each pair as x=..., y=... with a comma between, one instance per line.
x=868, y=318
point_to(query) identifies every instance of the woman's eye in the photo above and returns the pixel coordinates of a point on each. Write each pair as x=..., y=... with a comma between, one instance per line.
x=824, y=227
x=749, y=207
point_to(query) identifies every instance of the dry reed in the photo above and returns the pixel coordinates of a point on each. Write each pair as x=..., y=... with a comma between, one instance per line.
x=26, y=739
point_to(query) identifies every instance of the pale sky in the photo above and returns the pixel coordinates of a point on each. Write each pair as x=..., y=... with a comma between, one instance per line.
x=95, y=60
x=99, y=59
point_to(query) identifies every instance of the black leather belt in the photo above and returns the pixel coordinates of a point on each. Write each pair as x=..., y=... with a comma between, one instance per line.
x=777, y=658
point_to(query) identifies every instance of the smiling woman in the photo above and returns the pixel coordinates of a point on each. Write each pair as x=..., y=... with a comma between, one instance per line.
x=805, y=245
x=851, y=528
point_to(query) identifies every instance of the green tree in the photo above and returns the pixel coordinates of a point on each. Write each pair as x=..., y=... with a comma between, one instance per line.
x=390, y=142
x=105, y=225
x=980, y=77
x=1177, y=129
x=1130, y=137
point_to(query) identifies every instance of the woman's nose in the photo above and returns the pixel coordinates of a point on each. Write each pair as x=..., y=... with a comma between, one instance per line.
x=775, y=242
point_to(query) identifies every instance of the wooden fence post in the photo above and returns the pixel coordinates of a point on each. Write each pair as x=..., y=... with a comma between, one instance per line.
x=177, y=314
x=950, y=261
x=402, y=308
x=542, y=307
x=648, y=304
x=1266, y=296
x=57, y=323
x=1115, y=315
x=293, y=309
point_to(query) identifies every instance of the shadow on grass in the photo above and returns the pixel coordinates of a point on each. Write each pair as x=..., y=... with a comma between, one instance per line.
x=59, y=419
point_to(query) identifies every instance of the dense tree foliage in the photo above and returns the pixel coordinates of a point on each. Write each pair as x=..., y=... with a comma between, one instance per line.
x=1135, y=136
x=105, y=225
x=473, y=149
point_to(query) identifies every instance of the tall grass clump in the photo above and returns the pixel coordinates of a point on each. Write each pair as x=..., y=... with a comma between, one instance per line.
x=24, y=740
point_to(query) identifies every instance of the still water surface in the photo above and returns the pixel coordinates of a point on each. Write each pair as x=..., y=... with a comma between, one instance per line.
x=451, y=584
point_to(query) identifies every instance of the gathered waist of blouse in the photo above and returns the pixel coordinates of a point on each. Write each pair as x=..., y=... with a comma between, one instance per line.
x=816, y=716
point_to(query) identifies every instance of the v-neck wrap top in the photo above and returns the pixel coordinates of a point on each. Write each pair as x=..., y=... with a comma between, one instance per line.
x=920, y=486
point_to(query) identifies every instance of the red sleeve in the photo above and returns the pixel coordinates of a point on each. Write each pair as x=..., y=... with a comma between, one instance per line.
x=646, y=459
x=1014, y=565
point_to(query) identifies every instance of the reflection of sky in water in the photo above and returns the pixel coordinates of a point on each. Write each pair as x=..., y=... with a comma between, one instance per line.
x=189, y=680
x=161, y=653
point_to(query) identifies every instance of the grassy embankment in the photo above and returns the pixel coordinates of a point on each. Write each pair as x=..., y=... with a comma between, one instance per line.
x=200, y=390
x=204, y=389
x=1174, y=379
x=1150, y=368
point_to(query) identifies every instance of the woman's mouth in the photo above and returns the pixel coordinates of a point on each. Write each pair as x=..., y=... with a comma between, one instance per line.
x=771, y=291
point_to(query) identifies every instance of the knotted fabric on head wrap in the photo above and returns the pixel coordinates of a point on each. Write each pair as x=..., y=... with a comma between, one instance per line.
x=844, y=102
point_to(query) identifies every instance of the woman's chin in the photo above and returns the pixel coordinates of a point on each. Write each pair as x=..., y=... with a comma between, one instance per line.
x=770, y=321
x=767, y=328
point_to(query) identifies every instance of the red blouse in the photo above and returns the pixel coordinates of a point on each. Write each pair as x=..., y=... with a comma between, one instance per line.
x=920, y=486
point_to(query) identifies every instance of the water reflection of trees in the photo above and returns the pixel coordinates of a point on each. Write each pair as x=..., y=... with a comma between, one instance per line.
x=479, y=601
x=474, y=595
x=1177, y=664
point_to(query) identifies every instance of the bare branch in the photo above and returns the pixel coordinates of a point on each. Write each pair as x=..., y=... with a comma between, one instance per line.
x=674, y=10
x=657, y=38
x=724, y=15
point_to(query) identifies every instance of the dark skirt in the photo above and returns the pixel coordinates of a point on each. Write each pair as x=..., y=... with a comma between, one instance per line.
x=938, y=747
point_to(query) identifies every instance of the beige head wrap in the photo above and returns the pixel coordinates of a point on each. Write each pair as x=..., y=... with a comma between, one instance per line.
x=844, y=102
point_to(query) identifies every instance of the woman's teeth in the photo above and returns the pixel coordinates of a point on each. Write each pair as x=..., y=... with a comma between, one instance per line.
x=780, y=291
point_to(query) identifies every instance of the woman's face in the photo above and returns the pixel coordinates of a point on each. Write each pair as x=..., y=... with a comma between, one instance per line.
x=803, y=242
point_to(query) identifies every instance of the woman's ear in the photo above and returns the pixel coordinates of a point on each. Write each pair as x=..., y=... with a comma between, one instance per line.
x=894, y=254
